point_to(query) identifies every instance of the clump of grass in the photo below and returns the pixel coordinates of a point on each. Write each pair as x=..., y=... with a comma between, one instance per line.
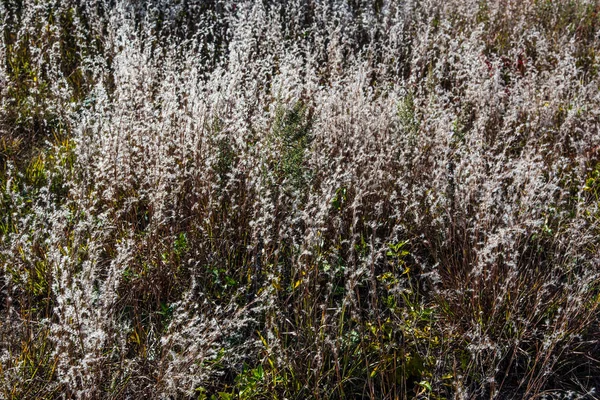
x=245, y=200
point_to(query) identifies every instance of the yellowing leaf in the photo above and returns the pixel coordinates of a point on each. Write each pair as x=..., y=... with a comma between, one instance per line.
x=374, y=372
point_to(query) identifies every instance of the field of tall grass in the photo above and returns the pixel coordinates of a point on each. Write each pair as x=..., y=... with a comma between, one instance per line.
x=303, y=199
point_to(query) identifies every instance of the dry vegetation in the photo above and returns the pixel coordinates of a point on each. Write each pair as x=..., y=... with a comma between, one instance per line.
x=299, y=199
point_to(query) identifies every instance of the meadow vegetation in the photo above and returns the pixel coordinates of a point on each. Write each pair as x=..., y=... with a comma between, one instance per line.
x=218, y=199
